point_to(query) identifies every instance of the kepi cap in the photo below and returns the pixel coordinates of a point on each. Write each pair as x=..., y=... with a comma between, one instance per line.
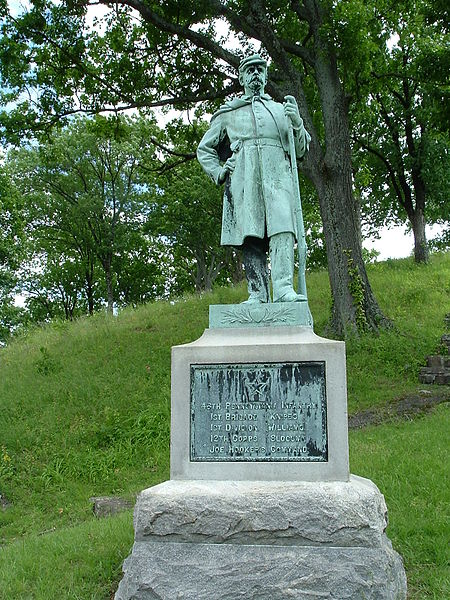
x=254, y=59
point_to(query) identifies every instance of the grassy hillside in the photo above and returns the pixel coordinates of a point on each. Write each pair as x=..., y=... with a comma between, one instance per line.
x=84, y=411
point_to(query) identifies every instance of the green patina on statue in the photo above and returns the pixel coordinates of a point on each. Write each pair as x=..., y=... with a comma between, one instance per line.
x=251, y=147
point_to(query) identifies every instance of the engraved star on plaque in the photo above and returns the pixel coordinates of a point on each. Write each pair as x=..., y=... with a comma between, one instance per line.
x=257, y=387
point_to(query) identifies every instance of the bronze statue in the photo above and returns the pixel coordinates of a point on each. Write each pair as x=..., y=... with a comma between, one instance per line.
x=250, y=147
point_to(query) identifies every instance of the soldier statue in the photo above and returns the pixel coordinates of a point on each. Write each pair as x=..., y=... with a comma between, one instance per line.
x=250, y=147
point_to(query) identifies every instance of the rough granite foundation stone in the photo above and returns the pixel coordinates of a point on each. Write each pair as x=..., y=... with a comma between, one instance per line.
x=214, y=540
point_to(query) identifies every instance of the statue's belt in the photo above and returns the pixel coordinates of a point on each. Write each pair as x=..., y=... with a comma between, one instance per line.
x=258, y=142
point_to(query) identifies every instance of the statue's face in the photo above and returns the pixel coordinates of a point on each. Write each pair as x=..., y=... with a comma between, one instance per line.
x=254, y=79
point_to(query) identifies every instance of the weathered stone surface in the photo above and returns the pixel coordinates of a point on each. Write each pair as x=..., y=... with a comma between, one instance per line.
x=445, y=340
x=438, y=373
x=435, y=361
x=437, y=370
x=228, y=572
x=285, y=513
x=105, y=506
x=262, y=541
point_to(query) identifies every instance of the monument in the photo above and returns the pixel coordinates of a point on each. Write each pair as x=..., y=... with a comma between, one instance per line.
x=260, y=504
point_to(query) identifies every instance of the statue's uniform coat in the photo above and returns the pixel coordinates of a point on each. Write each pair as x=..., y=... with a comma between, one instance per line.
x=259, y=197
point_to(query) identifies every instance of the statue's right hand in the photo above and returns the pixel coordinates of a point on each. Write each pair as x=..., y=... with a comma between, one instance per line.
x=228, y=167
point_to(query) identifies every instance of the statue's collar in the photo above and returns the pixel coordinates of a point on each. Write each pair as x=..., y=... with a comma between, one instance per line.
x=248, y=98
x=236, y=103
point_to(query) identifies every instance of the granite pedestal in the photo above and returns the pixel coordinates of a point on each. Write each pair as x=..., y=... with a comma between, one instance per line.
x=261, y=504
x=211, y=540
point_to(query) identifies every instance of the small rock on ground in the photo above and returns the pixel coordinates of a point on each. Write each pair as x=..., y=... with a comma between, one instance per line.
x=105, y=506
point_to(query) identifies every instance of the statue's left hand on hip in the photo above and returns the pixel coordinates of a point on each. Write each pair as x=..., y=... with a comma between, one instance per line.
x=291, y=111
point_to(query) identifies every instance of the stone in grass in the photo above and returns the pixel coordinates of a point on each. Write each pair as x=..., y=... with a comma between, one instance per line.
x=4, y=502
x=105, y=506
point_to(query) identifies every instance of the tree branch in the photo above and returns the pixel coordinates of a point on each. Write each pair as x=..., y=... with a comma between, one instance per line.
x=407, y=194
x=173, y=165
x=298, y=50
x=238, y=22
x=389, y=167
x=197, y=38
x=161, y=146
x=300, y=10
x=173, y=101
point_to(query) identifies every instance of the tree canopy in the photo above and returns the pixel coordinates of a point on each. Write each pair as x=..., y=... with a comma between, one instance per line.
x=57, y=61
x=108, y=220
x=86, y=200
x=11, y=251
x=400, y=124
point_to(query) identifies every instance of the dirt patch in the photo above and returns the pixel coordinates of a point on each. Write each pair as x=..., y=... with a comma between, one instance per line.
x=403, y=408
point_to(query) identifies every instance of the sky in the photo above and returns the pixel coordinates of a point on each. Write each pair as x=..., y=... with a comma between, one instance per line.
x=397, y=242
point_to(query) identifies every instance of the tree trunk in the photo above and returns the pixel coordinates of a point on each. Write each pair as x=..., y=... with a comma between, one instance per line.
x=90, y=297
x=89, y=288
x=66, y=311
x=72, y=306
x=421, y=254
x=200, y=271
x=354, y=306
x=234, y=258
x=109, y=285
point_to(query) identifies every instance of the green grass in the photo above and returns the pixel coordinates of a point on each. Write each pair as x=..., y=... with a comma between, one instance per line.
x=84, y=411
x=409, y=463
x=83, y=561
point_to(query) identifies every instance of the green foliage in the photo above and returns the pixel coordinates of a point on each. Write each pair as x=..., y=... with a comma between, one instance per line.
x=82, y=561
x=46, y=364
x=78, y=67
x=399, y=119
x=109, y=221
x=317, y=256
x=11, y=252
x=187, y=212
x=380, y=367
x=86, y=196
x=178, y=57
x=6, y=465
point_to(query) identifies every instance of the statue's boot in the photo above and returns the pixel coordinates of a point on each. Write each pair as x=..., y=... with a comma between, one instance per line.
x=282, y=267
x=255, y=263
